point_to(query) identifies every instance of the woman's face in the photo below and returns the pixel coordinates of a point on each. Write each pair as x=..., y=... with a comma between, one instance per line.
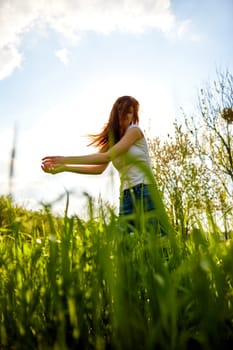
x=126, y=119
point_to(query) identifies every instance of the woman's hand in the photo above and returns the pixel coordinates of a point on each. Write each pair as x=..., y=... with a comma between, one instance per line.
x=53, y=165
x=53, y=169
x=53, y=160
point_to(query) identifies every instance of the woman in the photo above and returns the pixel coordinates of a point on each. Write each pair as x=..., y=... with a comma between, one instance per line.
x=121, y=142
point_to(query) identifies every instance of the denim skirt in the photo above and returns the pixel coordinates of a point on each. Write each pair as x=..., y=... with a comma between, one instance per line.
x=138, y=209
x=136, y=199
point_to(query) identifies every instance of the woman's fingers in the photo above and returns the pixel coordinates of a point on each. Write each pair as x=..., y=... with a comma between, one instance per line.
x=52, y=164
x=48, y=159
x=48, y=162
x=51, y=168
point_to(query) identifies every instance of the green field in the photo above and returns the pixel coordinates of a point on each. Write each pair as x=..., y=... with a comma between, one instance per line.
x=73, y=284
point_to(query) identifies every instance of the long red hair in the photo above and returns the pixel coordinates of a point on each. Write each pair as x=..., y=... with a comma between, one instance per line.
x=111, y=131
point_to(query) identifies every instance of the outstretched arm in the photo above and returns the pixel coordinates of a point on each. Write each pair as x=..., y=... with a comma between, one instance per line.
x=101, y=159
x=81, y=169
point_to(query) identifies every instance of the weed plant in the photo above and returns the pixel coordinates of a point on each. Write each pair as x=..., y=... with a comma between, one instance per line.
x=73, y=284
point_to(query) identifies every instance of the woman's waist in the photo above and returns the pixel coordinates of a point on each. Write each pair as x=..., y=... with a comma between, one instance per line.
x=137, y=180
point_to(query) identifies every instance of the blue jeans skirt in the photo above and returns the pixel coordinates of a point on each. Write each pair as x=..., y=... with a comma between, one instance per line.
x=138, y=209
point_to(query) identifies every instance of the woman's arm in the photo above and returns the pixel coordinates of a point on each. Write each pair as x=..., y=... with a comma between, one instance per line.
x=82, y=169
x=102, y=158
x=130, y=137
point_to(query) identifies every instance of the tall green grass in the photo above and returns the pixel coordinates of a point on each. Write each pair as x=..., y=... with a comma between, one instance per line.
x=73, y=284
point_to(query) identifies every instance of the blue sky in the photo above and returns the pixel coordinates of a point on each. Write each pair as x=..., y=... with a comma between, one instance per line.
x=63, y=63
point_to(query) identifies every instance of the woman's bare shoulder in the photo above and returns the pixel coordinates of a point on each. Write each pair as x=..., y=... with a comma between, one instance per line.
x=138, y=128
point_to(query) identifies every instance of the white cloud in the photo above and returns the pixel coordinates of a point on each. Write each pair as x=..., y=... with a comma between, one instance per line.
x=10, y=58
x=184, y=31
x=71, y=17
x=62, y=55
x=16, y=18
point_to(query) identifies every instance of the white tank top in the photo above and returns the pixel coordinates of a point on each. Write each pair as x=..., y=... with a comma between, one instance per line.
x=134, y=166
